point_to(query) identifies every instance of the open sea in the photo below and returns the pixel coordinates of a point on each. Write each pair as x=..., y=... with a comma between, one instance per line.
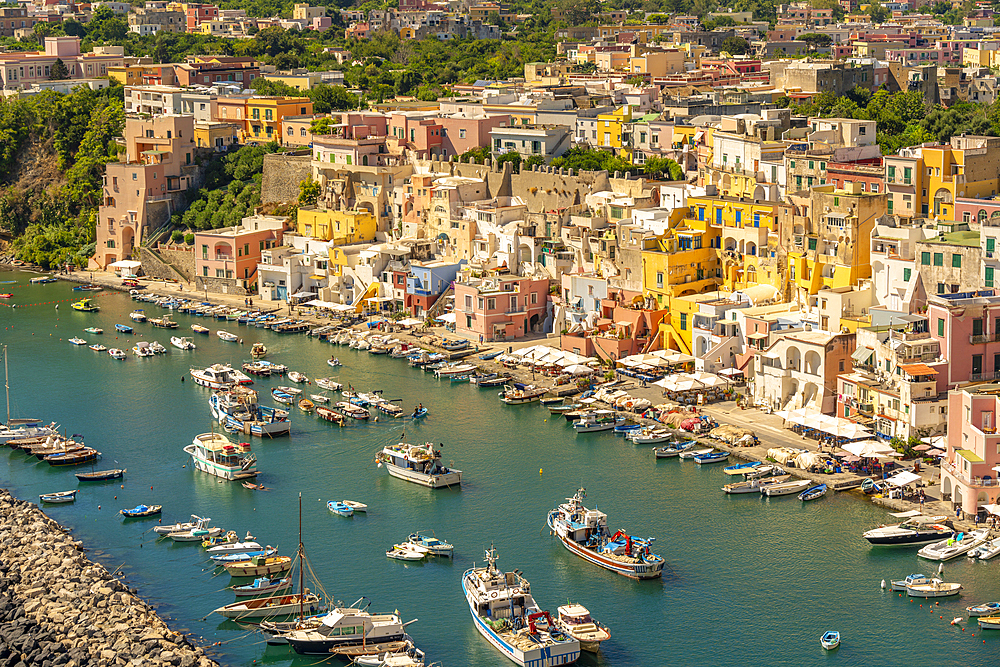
x=747, y=581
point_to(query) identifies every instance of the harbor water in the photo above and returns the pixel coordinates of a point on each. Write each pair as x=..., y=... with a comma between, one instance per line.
x=747, y=580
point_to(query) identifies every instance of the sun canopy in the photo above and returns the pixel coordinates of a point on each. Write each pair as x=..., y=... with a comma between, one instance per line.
x=868, y=449
x=324, y=304
x=447, y=317
x=992, y=509
x=300, y=295
x=409, y=322
x=904, y=478
x=578, y=369
x=125, y=264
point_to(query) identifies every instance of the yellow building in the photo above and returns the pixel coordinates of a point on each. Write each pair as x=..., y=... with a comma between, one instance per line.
x=128, y=75
x=683, y=262
x=338, y=227
x=304, y=81
x=264, y=116
x=218, y=136
x=966, y=167
x=612, y=128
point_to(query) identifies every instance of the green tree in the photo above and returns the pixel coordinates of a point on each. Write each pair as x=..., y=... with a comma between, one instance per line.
x=478, y=155
x=736, y=46
x=878, y=13
x=320, y=126
x=309, y=192
x=332, y=98
x=814, y=39
x=578, y=12
x=59, y=70
x=663, y=169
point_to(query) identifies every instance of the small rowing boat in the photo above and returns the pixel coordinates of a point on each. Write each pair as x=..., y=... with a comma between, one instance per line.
x=140, y=511
x=58, y=497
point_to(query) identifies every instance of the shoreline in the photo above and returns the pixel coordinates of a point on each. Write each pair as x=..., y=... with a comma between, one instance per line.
x=59, y=607
x=429, y=337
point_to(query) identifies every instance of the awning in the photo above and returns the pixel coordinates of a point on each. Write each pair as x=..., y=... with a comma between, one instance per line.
x=447, y=317
x=992, y=509
x=969, y=455
x=125, y=264
x=699, y=134
x=917, y=369
x=862, y=354
x=324, y=304
x=903, y=478
x=729, y=372
x=756, y=336
x=409, y=322
x=771, y=354
x=300, y=295
x=315, y=277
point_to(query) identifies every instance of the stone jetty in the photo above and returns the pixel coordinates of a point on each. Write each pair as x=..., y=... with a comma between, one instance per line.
x=57, y=607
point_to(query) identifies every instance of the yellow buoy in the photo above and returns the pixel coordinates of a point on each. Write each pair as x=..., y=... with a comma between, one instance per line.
x=539, y=471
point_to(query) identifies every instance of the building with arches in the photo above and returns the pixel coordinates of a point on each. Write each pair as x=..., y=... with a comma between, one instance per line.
x=968, y=470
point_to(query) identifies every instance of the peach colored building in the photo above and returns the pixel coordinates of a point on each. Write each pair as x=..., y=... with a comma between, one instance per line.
x=225, y=260
x=140, y=193
x=968, y=474
x=500, y=307
x=463, y=133
x=417, y=131
x=20, y=69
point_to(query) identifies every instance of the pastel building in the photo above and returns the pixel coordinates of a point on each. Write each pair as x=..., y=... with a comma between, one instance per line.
x=226, y=259
x=500, y=307
x=968, y=471
x=426, y=282
x=20, y=69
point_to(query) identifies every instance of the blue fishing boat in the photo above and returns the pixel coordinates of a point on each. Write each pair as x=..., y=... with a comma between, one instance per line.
x=741, y=468
x=263, y=585
x=419, y=413
x=338, y=507
x=830, y=640
x=458, y=378
x=713, y=457
x=141, y=510
x=814, y=492
x=123, y=328
x=627, y=428
x=491, y=355
x=245, y=555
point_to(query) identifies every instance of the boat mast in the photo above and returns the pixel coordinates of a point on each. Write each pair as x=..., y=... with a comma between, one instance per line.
x=6, y=383
x=301, y=562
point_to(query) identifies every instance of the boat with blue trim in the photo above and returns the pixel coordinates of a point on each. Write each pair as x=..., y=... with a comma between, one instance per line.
x=585, y=533
x=238, y=409
x=712, y=457
x=508, y=617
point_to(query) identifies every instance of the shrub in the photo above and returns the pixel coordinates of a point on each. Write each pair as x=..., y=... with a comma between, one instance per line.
x=189, y=239
x=177, y=236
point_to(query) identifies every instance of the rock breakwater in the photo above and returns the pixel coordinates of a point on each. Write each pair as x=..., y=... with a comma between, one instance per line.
x=57, y=607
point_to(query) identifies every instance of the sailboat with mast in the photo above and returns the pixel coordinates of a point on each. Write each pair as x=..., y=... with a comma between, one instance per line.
x=301, y=603
x=21, y=428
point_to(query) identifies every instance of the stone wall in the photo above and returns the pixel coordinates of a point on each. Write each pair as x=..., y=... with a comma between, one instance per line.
x=220, y=286
x=154, y=267
x=57, y=607
x=282, y=174
x=181, y=257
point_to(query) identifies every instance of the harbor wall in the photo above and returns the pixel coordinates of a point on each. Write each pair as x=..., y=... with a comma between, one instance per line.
x=57, y=607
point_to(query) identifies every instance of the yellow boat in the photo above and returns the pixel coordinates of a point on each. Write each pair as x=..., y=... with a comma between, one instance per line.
x=85, y=305
x=260, y=566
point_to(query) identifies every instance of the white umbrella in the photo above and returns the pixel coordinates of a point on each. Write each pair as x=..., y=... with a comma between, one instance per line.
x=578, y=369
x=992, y=509
x=868, y=448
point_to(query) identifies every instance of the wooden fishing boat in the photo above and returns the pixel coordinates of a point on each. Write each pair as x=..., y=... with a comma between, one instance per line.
x=282, y=397
x=353, y=411
x=329, y=384
x=319, y=398
x=340, y=508
x=355, y=505
x=85, y=455
x=94, y=330
x=260, y=566
x=101, y=475
x=140, y=511
x=329, y=415
x=281, y=605
x=58, y=497
x=258, y=351
x=123, y=328
x=830, y=640
x=813, y=493
x=305, y=405
x=295, y=376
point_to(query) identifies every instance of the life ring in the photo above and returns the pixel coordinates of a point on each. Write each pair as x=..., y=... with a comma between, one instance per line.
x=493, y=595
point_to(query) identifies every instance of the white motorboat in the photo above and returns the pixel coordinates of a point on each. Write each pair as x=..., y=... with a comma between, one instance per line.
x=199, y=329
x=355, y=505
x=98, y=347
x=520, y=394
x=234, y=548
x=77, y=341
x=575, y=620
x=691, y=453
x=766, y=470
x=406, y=551
x=599, y=420
x=412, y=657
x=143, y=349
x=239, y=410
x=910, y=580
x=295, y=376
x=290, y=390
x=196, y=534
x=953, y=547
x=506, y=615
x=916, y=530
x=178, y=527
x=455, y=369
x=329, y=384
x=215, y=454
x=319, y=398
x=434, y=546
x=786, y=488
x=935, y=588
x=117, y=354
x=986, y=550
x=420, y=464
x=138, y=315
x=650, y=436
x=584, y=532
x=157, y=348
x=216, y=376
x=226, y=336
x=675, y=448
x=754, y=485
x=182, y=343
x=350, y=632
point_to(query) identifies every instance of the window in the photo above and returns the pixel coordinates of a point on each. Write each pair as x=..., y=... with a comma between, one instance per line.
x=836, y=201
x=956, y=261
x=204, y=252
x=938, y=259
x=991, y=244
x=659, y=279
x=940, y=288
x=988, y=276
x=892, y=173
x=204, y=271
x=684, y=321
x=812, y=243
x=925, y=258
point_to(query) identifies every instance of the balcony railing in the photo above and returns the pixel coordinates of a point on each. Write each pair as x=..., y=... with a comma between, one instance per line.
x=966, y=479
x=977, y=339
x=978, y=377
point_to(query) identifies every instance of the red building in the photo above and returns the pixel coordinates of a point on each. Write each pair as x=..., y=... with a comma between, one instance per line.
x=198, y=14
x=870, y=174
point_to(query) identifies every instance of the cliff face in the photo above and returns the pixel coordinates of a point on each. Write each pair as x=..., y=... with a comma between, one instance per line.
x=57, y=607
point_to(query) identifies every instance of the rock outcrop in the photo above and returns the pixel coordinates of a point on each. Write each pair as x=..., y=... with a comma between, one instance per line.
x=57, y=607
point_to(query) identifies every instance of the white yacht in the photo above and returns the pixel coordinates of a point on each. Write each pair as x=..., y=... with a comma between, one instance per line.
x=344, y=629
x=953, y=547
x=420, y=464
x=507, y=616
x=215, y=454
x=576, y=621
x=216, y=376
x=182, y=343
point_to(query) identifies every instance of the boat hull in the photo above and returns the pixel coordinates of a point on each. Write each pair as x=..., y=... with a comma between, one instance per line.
x=451, y=478
x=230, y=473
x=632, y=571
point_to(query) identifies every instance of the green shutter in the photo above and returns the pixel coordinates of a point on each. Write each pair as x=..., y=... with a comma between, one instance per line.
x=940, y=327
x=925, y=258
x=990, y=245
x=989, y=276
x=956, y=261
x=939, y=259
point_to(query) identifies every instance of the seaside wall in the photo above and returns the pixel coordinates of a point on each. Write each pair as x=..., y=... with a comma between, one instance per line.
x=57, y=607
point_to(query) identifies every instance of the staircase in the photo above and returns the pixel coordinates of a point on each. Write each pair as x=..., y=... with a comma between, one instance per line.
x=439, y=304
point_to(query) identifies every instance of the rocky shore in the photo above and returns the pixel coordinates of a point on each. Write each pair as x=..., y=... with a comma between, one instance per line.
x=57, y=607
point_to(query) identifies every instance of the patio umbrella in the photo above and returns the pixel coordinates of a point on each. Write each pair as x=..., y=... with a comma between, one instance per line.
x=992, y=509
x=578, y=369
x=868, y=448
x=935, y=452
x=922, y=448
x=852, y=459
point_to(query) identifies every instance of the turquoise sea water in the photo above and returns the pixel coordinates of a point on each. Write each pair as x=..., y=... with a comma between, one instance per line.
x=747, y=580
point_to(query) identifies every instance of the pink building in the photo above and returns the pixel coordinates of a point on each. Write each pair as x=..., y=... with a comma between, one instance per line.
x=225, y=260
x=500, y=307
x=358, y=31
x=968, y=328
x=141, y=192
x=463, y=133
x=198, y=14
x=20, y=69
x=420, y=132
x=968, y=472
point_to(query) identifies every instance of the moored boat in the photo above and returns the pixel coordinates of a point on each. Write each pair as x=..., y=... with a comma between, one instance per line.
x=85, y=305
x=216, y=376
x=406, y=551
x=813, y=493
x=259, y=566
x=199, y=329
x=989, y=622
x=830, y=640
x=101, y=475
x=985, y=609
x=507, y=616
x=741, y=468
x=97, y=347
x=239, y=410
x=786, y=488
x=673, y=449
x=954, y=547
x=910, y=580
x=353, y=411
x=349, y=632
x=434, y=546
x=518, y=394
x=77, y=341
x=305, y=405
x=329, y=384
x=94, y=330
x=337, y=507
x=585, y=533
x=268, y=607
x=420, y=464
x=575, y=620
x=123, y=328
x=115, y=353
x=935, y=588
x=226, y=336
x=329, y=415
x=58, y=497
x=754, y=485
x=261, y=586
x=138, y=315
x=182, y=343
x=217, y=455
x=140, y=511
x=258, y=351
x=711, y=457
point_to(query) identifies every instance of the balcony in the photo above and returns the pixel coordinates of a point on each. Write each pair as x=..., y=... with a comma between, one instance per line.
x=979, y=339
x=966, y=479
x=981, y=376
